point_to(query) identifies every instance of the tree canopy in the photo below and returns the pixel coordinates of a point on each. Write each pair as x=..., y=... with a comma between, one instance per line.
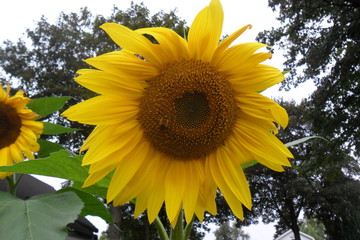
x=320, y=184
x=321, y=40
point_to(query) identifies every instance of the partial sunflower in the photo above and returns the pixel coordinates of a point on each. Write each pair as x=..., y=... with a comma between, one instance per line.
x=176, y=123
x=18, y=130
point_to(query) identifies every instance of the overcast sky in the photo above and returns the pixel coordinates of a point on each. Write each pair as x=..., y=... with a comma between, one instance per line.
x=17, y=15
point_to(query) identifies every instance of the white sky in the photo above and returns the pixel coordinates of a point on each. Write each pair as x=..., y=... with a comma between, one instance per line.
x=17, y=15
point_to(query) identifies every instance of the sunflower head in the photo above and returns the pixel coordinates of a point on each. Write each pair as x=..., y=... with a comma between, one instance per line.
x=18, y=130
x=175, y=119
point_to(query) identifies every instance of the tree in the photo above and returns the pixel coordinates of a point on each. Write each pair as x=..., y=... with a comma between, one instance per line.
x=313, y=228
x=319, y=184
x=321, y=40
x=227, y=232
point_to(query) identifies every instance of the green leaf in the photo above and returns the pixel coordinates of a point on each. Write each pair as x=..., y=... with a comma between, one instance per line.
x=47, y=147
x=61, y=164
x=248, y=164
x=301, y=140
x=54, y=129
x=285, y=72
x=92, y=205
x=41, y=217
x=46, y=106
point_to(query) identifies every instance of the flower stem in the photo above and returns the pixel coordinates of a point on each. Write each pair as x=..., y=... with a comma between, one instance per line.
x=178, y=232
x=161, y=230
x=187, y=230
x=13, y=182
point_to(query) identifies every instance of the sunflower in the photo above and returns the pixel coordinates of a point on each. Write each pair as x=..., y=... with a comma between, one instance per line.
x=175, y=119
x=18, y=130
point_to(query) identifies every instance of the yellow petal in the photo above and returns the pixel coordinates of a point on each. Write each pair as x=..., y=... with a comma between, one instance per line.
x=174, y=188
x=262, y=144
x=16, y=153
x=262, y=107
x=113, y=111
x=256, y=79
x=238, y=57
x=125, y=65
x=234, y=176
x=133, y=42
x=141, y=203
x=225, y=44
x=24, y=145
x=231, y=199
x=98, y=175
x=156, y=193
x=118, y=141
x=125, y=171
x=140, y=181
x=192, y=173
x=174, y=47
x=5, y=157
x=111, y=84
x=205, y=31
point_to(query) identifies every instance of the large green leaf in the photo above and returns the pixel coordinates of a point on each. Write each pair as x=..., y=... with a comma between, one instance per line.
x=46, y=106
x=47, y=147
x=61, y=164
x=54, y=129
x=98, y=189
x=42, y=217
x=92, y=205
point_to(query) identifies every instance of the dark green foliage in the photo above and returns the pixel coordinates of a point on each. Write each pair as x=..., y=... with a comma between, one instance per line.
x=320, y=183
x=227, y=232
x=321, y=40
x=313, y=228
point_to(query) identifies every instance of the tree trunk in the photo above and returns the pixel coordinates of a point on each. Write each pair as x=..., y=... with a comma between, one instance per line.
x=113, y=229
x=293, y=220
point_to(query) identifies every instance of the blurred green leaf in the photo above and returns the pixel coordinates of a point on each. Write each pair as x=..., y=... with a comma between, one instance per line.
x=41, y=217
x=301, y=140
x=47, y=147
x=286, y=72
x=61, y=164
x=98, y=189
x=92, y=205
x=54, y=129
x=248, y=164
x=46, y=106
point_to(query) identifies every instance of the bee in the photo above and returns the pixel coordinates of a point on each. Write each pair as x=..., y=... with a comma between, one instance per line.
x=164, y=123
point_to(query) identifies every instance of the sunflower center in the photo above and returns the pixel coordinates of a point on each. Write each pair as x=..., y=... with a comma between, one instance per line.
x=192, y=109
x=188, y=110
x=10, y=124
